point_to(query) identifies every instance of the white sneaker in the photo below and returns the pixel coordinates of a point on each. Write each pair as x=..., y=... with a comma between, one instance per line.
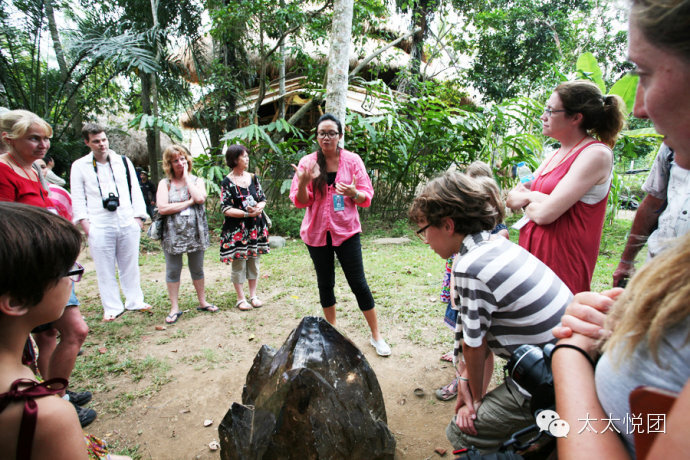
x=382, y=348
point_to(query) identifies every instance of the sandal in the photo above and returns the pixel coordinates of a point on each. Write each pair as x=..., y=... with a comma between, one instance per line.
x=256, y=302
x=209, y=308
x=243, y=305
x=173, y=317
x=447, y=357
x=448, y=392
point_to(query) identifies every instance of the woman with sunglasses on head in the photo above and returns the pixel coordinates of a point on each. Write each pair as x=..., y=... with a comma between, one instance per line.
x=37, y=269
x=330, y=183
x=26, y=136
x=566, y=201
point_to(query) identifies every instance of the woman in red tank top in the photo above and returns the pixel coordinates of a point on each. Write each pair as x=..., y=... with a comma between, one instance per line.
x=566, y=201
x=25, y=139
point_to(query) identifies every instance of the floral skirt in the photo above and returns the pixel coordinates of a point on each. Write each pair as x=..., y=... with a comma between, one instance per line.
x=242, y=241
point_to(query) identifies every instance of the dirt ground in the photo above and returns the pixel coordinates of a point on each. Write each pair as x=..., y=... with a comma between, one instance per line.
x=210, y=356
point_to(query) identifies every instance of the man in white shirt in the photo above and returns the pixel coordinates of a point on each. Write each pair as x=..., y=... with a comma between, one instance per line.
x=108, y=204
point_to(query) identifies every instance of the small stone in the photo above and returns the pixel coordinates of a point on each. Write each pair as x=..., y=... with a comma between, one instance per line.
x=440, y=451
x=214, y=445
x=276, y=242
x=102, y=350
x=185, y=411
x=160, y=328
x=251, y=337
x=208, y=422
x=140, y=432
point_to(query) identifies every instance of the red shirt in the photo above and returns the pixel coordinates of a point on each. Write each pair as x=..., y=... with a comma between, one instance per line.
x=569, y=245
x=18, y=189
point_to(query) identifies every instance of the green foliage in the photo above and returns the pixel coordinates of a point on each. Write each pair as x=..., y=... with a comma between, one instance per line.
x=588, y=67
x=516, y=43
x=144, y=121
x=286, y=220
x=273, y=147
x=95, y=57
x=212, y=169
x=417, y=138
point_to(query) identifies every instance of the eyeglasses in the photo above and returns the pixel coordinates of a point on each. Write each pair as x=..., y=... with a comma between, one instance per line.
x=329, y=134
x=76, y=272
x=421, y=233
x=549, y=112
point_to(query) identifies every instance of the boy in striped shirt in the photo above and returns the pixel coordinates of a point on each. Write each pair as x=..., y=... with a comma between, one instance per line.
x=505, y=296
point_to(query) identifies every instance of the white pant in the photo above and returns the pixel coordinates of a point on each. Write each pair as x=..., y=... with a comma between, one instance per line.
x=111, y=245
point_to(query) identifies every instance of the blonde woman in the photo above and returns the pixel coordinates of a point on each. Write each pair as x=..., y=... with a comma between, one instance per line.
x=649, y=345
x=180, y=198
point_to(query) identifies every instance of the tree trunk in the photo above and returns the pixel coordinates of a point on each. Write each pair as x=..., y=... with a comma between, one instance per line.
x=153, y=137
x=339, y=59
x=75, y=120
x=150, y=136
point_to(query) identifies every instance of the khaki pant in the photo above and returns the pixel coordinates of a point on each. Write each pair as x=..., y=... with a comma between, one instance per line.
x=503, y=412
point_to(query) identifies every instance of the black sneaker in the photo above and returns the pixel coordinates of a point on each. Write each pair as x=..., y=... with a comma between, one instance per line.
x=86, y=416
x=80, y=398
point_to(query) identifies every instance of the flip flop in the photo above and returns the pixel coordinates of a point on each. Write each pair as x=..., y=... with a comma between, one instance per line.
x=209, y=308
x=173, y=317
x=243, y=305
x=255, y=302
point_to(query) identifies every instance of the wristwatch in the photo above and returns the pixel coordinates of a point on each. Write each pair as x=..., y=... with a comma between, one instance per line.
x=246, y=214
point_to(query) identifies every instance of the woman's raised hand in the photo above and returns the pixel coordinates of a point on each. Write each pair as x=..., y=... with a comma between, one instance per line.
x=306, y=175
x=350, y=190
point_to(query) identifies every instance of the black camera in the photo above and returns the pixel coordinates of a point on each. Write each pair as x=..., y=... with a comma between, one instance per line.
x=112, y=202
x=530, y=367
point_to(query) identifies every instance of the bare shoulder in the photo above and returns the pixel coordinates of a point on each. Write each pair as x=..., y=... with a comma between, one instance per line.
x=596, y=152
x=58, y=432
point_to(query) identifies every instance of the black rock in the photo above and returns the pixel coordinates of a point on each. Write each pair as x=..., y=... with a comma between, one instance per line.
x=314, y=398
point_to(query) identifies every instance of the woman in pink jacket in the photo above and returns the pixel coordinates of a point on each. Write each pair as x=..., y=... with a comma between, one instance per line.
x=330, y=183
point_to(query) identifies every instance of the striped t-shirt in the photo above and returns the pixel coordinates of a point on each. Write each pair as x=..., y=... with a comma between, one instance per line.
x=506, y=294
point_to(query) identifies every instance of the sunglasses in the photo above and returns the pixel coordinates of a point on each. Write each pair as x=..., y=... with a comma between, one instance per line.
x=76, y=272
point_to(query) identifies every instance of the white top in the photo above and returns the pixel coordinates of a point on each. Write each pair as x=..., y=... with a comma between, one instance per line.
x=87, y=200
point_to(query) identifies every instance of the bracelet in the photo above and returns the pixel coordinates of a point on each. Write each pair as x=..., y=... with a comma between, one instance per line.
x=627, y=262
x=576, y=348
x=246, y=214
x=354, y=198
x=463, y=379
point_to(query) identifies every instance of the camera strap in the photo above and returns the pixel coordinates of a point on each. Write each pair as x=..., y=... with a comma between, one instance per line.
x=95, y=170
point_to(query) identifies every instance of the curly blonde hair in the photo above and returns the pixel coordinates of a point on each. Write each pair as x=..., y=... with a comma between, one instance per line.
x=170, y=153
x=655, y=300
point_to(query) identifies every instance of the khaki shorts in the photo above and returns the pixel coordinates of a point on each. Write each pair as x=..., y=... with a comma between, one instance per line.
x=503, y=412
